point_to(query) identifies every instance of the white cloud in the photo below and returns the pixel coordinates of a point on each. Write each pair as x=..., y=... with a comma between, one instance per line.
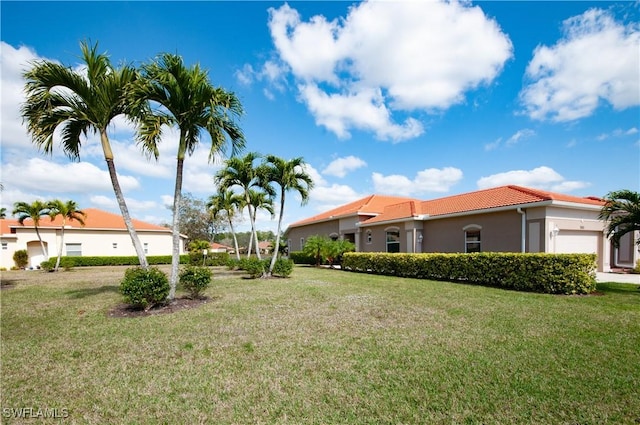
x=425, y=181
x=541, y=177
x=597, y=60
x=76, y=177
x=341, y=166
x=13, y=63
x=328, y=197
x=513, y=140
x=388, y=57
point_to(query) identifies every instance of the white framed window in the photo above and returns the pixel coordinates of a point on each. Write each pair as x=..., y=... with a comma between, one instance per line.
x=393, y=239
x=301, y=243
x=115, y=245
x=146, y=247
x=74, y=249
x=5, y=245
x=369, y=237
x=472, y=238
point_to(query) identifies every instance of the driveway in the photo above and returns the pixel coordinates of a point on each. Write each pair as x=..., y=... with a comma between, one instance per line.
x=618, y=277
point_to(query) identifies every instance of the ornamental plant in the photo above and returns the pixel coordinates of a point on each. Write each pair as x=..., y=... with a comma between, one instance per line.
x=144, y=288
x=195, y=280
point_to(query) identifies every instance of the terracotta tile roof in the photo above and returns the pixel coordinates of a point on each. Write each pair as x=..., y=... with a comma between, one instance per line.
x=502, y=196
x=369, y=205
x=497, y=197
x=95, y=219
x=216, y=245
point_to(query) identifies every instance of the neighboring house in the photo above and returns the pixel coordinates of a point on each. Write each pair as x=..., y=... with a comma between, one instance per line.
x=104, y=234
x=264, y=246
x=502, y=219
x=218, y=247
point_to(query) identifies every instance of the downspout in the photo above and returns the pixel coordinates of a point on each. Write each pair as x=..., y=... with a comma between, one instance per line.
x=523, y=242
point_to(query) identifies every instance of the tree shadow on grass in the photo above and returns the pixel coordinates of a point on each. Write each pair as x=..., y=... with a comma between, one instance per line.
x=88, y=292
x=619, y=288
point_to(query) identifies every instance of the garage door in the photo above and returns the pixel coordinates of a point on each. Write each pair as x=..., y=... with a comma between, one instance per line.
x=577, y=242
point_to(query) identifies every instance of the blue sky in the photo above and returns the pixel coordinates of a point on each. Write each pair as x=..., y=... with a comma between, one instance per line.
x=420, y=99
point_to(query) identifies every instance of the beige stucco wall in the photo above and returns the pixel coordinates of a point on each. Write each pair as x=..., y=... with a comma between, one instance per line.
x=500, y=232
x=294, y=235
x=93, y=243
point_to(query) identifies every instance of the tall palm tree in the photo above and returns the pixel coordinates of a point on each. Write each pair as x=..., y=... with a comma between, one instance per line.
x=258, y=200
x=68, y=211
x=241, y=172
x=60, y=97
x=34, y=211
x=226, y=203
x=621, y=212
x=184, y=97
x=288, y=175
x=3, y=212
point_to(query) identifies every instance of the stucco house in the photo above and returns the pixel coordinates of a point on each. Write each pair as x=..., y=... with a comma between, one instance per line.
x=104, y=234
x=501, y=219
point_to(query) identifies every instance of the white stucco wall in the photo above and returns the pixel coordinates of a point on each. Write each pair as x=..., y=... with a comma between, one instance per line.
x=93, y=242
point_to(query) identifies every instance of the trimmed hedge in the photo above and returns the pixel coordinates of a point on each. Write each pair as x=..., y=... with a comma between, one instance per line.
x=112, y=261
x=539, y=272
x=299, y=257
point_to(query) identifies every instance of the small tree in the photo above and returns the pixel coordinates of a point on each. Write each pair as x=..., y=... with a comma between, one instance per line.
x=621, y=212
x=335, y=249
x=315, y=246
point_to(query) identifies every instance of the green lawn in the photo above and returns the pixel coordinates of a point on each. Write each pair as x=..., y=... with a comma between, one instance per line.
x=321, y=347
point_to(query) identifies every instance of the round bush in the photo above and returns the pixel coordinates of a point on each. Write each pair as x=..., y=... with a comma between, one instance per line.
x=195, y=279
x=144, y=288
x=283, y=267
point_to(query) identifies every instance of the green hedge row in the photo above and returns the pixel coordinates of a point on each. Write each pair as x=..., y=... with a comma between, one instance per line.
x=216, y=259
x=299, y=257
x=547, y=273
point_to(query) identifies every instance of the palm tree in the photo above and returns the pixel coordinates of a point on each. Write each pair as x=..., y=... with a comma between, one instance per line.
x=288, y=175
x=59, y=97
x=621, y=212
x=258, y=200
x=3, y=212
x=226, y=203
x=34, y=211
x=316, y=247
x=241, y=172
x=68, y=211
x=186, y=99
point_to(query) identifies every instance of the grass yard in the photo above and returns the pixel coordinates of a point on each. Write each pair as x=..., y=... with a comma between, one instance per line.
x=322, y=347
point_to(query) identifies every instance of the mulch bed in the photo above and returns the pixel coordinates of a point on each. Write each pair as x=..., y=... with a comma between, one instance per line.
x=178, y=304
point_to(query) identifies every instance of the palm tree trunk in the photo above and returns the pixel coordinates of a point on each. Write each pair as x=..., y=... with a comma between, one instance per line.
x=44, y=251
x=276, y=250
x=142, y=258
x=175, y=251
x=254, y=234
x=235, y=239
x=60, y=246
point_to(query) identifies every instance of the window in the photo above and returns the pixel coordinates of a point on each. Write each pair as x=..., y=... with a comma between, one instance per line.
x=369, y=237
x=334, y=236
x=393, y=241
x=146, y=247
x=472, y=240
x=74, y=249
x=301, y=243
x=5, y=245
x=115, y=245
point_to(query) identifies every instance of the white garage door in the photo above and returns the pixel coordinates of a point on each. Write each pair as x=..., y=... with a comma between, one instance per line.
x=577, y=242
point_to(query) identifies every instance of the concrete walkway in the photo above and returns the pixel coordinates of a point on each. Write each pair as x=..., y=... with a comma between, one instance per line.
x=618, y=277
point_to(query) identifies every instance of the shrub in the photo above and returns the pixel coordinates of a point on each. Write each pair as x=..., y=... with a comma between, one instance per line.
x=636, y=269
x=195, y=279
x=144, y=288
x=21, y=258
x=299, y=257
x=283, y=267
x=254, y=267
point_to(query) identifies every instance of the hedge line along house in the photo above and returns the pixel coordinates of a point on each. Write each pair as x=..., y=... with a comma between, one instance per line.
x=501, y=219
x=104, y=234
